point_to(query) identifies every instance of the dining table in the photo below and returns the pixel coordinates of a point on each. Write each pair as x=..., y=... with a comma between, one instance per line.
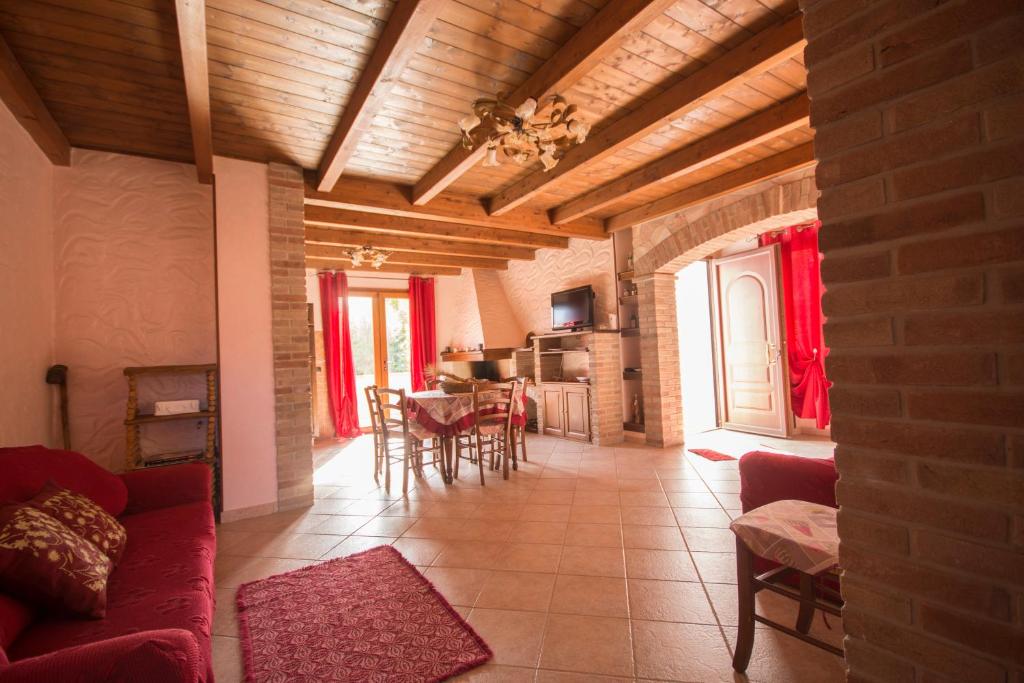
x=448, y=415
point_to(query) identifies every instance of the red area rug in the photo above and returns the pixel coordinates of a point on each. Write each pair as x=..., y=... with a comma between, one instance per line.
x=366, y=617
x=711, y=455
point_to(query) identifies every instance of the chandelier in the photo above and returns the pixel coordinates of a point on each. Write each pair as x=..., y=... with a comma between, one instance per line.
x=375, y=257
x=522, y=133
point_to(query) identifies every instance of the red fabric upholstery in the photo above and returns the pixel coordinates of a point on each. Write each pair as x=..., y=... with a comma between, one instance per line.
x=159, y=598
x=162, y=487
x=163, y=656
x=27, y=468
x=14, y=617
x=768, y=477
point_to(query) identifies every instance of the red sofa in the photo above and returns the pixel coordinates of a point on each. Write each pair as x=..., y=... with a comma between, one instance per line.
x=159, y=598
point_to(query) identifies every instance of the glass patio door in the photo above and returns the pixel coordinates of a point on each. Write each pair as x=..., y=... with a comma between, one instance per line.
x=379, y=329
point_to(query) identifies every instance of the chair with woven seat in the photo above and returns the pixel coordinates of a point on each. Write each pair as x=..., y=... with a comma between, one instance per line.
x=376, y=430
x=519, y=431
x=491, y=434
x=403, y=441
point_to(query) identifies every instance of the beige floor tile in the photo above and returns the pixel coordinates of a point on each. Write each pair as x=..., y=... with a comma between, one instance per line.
x=652, y=537
x=421, y=551
x=668, y=565
x=355, y=544
x=594, y=514
x=779, y=657
x=724, y=486
x=606, y=535
x=385, y=526
x=469, y=555
x=592, y=561
x=598, y=645
x=545, y=513
x=496, y=673
x=596, y=498
x=498, y=511
x=650, y=516
x=225, y=615
x=709, y=540
x=538, y=532
x=643, y=499
x=529, y=557
x=227, y=660
x=649, y=483
x=517, y=590
x=514, y=636
x=545, y=676
x=342, y=525
x=685, y=486
x=681, y=652
x=458, y=586
x=550, y=498
x=599, y=596
x=692, y=517
x=669, y=601
x=685, y=499
x=252, y=568
x=716, y=567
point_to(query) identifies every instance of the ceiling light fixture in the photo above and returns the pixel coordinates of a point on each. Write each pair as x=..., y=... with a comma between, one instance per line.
x=522, y=133
x=375, y=257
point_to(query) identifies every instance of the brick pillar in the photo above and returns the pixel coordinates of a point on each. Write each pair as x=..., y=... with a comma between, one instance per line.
x=605, y=388
x=291, y=343
x=659, y=357
x=917, y=109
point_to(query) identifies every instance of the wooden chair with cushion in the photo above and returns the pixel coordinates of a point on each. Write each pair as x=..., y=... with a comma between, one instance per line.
x=403, y=441
x=519, y=431
x=378, y=433
x=491, y=436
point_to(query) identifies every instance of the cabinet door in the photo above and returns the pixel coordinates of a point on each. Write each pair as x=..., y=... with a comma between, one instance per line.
x=554, y=409
x=577, y=413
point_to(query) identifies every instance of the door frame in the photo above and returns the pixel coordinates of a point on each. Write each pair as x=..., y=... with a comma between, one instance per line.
x=782, y=351
x=380, y=342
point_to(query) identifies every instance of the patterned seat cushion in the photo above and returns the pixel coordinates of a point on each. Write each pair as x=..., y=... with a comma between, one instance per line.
x=164, y=580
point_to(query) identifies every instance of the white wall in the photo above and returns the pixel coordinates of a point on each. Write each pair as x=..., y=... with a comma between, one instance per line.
x=693, y=307
x=248, y=451
x=26, y=288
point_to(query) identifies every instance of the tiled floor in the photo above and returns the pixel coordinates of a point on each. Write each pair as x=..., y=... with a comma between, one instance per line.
x=589, y=564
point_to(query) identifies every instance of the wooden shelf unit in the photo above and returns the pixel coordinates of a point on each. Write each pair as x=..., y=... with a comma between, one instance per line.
x=134, y=420
x=629, y=328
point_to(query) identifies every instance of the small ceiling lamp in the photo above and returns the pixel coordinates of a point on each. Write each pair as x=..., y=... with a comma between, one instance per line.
x=522, y=133
x=367, y=254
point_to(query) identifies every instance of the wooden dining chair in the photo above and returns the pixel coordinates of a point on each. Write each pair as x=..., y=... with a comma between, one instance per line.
x=519, y=431
x=491, y=435
x=378, y=433
x=404, y=441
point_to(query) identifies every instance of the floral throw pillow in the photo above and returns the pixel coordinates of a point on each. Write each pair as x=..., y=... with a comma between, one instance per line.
x=43, y=561
x=84, y=517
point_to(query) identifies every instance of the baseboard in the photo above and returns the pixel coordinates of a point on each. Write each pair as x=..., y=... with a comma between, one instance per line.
x=304, y=500
x=246, y=513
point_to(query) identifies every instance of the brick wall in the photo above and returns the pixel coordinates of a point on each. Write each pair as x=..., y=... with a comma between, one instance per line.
x=605, y=388
x=917, y=107
x=659, y=359
x=291, y=340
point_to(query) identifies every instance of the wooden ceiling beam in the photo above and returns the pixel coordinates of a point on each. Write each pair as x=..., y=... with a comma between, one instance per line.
x=407, y=26
x=325, y=251
x=21, y=97
x=333, y=264
x=784, y=117
x=332, y=217
x=783, y=162
x=589, y=45
x=191, y=16
x=424, y=245
x=376, y=196
x=751, y=58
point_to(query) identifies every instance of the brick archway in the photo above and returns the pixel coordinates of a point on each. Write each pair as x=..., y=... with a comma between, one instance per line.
x=656, y=270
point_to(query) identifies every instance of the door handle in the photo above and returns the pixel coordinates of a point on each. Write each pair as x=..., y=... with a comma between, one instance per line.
x=772, y=353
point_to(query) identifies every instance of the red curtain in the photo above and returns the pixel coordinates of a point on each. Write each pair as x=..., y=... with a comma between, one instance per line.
x=421, y=323
x=341, y=376
x=802, y=290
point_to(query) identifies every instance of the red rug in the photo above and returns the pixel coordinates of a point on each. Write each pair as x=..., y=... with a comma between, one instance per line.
x=366, y=617
x=710, y=454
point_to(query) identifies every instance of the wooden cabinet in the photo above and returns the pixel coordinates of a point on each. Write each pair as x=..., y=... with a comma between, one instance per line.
x=577, y=412
x=553, y=401
x=566, y=410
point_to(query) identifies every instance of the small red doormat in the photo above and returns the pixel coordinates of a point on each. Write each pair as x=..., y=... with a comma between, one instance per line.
x=710, y=454
x=370, y=616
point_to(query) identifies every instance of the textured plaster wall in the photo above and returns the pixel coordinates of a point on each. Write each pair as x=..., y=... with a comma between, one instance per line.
x=134, y=271
x=26, y=287
x=458, y=313
x=529, y=284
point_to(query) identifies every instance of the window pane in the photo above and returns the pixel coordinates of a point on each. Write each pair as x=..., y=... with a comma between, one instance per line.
x=396, y=323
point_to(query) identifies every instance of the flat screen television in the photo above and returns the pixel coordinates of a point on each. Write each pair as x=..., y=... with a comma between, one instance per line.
x=572, y=309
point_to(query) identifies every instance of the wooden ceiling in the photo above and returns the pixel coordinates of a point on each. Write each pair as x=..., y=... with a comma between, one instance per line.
x=689, y=99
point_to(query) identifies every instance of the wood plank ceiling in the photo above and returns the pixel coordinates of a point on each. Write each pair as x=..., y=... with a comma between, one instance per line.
x=689, y=99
